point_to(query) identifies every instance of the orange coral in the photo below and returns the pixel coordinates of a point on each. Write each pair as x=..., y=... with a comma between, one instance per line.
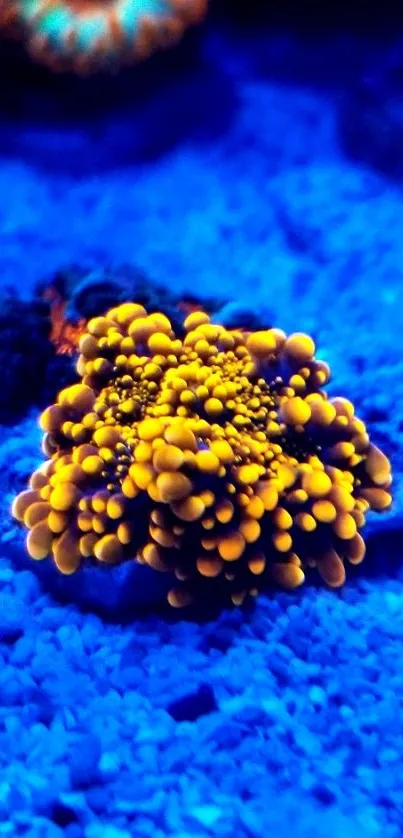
x=64, y=335
x=217, y=457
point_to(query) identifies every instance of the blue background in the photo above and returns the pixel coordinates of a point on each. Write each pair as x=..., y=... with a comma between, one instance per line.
x=221, y=169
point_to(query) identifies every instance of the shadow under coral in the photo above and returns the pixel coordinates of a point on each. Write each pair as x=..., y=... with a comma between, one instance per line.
x=130, y=591
x=77, y=125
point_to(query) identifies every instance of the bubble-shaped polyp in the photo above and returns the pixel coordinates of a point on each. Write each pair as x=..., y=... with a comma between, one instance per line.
x=218, y=457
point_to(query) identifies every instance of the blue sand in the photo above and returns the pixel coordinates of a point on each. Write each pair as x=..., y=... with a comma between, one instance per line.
x=118, y=719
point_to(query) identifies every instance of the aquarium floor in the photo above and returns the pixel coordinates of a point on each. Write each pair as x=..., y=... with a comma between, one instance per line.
x=292, y=711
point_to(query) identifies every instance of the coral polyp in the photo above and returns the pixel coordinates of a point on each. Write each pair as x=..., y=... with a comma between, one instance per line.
x=84, y=35
x=215, y=455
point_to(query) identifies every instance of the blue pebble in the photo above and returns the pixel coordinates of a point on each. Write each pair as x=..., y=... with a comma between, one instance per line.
x=23, y=650
x=84, y=761
x=144, y=826
x=227, y=734
x=131, y=676
x=280, y=668
x=73, y=830
x=317, y=695
x=207, y=814
x=252, y=715
x=28, y=585
x=98, y=799
x=102, y=830
x=11, y=620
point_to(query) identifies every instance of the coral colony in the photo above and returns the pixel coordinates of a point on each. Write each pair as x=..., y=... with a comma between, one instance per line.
x=214, y=454
x=71, y=34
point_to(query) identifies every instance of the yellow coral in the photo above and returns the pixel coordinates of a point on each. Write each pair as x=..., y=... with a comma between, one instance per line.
x=217, y=456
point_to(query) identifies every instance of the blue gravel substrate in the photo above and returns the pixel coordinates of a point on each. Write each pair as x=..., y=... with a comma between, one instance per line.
x=119, y=718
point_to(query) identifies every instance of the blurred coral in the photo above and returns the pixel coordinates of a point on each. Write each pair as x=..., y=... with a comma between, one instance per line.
x=86, y=35
x=217, y=457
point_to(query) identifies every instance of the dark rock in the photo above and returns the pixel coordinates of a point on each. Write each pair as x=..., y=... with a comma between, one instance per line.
x=84, y=761
x=62, y=814
x=191, y=706
x=324, y=794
